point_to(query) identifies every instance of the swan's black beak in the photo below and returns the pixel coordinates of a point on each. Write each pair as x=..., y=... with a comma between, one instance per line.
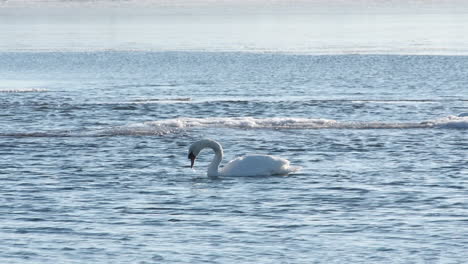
x=192, y=159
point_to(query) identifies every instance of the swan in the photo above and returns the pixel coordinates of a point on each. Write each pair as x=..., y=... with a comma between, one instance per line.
x=249, y=165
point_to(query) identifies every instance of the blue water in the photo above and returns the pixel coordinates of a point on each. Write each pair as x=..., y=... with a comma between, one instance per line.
x=94, y=164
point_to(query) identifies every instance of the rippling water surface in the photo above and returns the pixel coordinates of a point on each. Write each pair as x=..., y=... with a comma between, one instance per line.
x=94, y=162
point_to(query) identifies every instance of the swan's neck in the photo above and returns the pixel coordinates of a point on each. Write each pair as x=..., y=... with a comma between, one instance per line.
x=213, y=168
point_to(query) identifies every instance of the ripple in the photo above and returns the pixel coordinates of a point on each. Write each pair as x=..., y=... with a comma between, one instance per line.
x=44, y=230
x=24, y=90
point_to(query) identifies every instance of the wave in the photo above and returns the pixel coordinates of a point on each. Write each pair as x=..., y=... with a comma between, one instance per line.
x=40, y=134
x=458, y=122
x=160, y=100
x=23, y=90
x=162, y=127
x=170, y=126
x=242, y=100
x=266, y=99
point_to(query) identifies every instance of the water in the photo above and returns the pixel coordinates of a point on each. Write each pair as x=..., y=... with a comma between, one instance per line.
x=100, y=101
x=286, y=26
x=94, y=161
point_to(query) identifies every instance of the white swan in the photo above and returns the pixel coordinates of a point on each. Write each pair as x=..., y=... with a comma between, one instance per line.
x=250, y=165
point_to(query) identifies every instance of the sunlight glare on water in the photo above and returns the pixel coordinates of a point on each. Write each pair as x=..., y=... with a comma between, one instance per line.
x=317, y=27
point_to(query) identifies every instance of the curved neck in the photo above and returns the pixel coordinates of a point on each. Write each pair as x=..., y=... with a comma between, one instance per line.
x=214, y=165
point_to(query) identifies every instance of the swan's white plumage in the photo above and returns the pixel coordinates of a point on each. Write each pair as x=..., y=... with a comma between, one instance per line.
x=249, y=165
x=257, y=165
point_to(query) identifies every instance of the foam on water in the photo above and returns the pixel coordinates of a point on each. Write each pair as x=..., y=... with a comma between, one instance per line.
x=460, y=122
x=273, y=99
x=23, y=90
x=169, y=126
x=162, y=127
x=159, y=100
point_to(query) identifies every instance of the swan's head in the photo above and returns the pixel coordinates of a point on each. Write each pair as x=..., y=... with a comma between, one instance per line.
x=196, y=147
x=194, y=150
x=192, y=158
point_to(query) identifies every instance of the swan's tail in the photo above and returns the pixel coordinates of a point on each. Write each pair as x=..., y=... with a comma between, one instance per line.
x=290, y=169
x=294, y=168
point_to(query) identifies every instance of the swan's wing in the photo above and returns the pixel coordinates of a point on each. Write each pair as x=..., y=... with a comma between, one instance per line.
x=257, y=165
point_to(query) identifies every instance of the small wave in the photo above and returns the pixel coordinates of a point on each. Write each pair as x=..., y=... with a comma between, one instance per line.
x=404, y=100
x=243, y=101
x=147, y=85
x=303, y=123
x=156, y=128
x=38, y=134
x=24, y=90
x=169, y=126
x=162, y=127
x=344, y=100
x=161, y=100
x=457, y=122
x=137, y=101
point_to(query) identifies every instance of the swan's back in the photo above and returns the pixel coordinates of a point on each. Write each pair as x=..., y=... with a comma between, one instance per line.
x=257, y=165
